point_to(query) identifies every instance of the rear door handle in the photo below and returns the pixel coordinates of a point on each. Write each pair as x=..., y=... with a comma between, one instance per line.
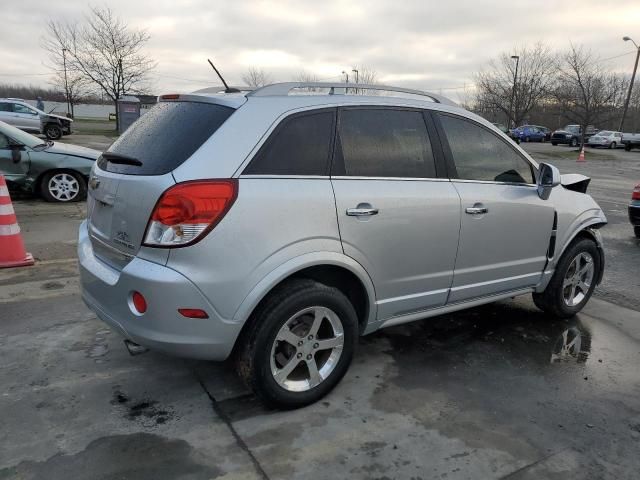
x=477, y=209
x=362, y=212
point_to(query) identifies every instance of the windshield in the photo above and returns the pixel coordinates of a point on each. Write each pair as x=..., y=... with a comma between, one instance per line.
x=17, y=135
x=572, y=128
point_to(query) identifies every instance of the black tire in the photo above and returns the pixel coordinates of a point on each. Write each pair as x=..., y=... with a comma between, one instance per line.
x=554, y=143
x=254, y=353
x=636, y=230
x=574, y=142
x=627, y=148
x=53, y=131
x=71, y=194
x=527, y=139
x=612, y=145
x=552, y=299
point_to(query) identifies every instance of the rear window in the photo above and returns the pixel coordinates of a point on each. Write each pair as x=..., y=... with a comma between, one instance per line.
x=163, y=138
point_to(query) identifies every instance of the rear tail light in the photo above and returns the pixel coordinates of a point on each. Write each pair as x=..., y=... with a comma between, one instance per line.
x=188, y=211
x=636, y=193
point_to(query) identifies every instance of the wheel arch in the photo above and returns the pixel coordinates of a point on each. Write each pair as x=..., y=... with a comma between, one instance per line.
x=331, y=268
x=589, y=230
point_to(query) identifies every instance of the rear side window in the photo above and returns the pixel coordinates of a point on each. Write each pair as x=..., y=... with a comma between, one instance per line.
x=384, y=143
x=164, y=137
x=300, y=145
x=478, y=154
x=5, y=107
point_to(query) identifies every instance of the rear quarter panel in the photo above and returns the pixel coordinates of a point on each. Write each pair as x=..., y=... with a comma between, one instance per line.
x=273, y=221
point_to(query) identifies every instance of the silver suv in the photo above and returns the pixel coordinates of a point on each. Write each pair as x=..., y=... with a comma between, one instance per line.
x=281, y=224
x=20, y=114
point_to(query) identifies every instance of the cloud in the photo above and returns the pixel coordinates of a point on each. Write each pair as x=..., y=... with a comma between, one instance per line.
x=415, y=43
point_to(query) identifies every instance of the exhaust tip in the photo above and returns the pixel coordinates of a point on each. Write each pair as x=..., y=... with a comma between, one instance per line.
x=135, y=349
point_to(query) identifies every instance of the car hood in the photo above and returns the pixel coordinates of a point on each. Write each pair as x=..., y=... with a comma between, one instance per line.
x=74, y=150
x=59, y=117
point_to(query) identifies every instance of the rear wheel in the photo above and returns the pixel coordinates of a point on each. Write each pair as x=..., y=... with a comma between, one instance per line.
x=612, y=145
x=573, y=282
x=636, y=230
x=53, y=131
x=299, y=345
x=554, y=143
x=63, y=186
x=527, y=139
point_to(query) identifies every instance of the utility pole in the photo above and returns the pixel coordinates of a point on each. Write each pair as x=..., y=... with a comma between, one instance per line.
x=355, y=70
x=513, y=90
x=633, y=77
x=66, y=82
x=346, y=90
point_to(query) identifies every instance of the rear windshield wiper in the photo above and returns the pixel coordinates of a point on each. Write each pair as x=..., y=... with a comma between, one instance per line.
x=121, y=159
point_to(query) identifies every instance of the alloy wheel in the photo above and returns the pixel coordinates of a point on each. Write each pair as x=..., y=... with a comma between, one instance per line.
x=64, y=187
x=307, y=349
x=578, y=279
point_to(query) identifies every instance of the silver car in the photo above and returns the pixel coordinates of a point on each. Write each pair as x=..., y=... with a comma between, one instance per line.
x=20, y=114
x=606, y=138
x=279, y=225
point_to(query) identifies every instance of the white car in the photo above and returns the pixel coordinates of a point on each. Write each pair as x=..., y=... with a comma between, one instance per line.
x=606, y=138
x=20, y=114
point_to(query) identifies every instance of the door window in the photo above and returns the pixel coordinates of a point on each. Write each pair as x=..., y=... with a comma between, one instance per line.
x=5, y=107
x=18, y=108
x=383, y=143
x=301, y=145
x=478, y=154
x=4, y=141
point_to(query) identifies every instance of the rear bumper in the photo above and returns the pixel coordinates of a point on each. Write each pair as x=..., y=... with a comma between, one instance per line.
x=107, y=292
x=634, y=213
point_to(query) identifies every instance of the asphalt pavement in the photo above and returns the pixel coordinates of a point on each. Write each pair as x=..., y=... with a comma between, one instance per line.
x=500, y=391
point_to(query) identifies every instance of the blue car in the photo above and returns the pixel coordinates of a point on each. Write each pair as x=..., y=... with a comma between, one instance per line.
x=530, y=133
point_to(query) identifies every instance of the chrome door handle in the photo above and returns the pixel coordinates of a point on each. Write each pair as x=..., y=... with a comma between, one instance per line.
x=476, y=210
x=361, y=212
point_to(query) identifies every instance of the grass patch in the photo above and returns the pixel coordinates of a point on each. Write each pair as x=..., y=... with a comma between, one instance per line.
x=572, y=154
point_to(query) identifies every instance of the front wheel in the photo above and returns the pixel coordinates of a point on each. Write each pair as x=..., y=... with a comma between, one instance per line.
x=63, y=186
x=574, y=142
x=554, y=143
x=636, y=230
x=300, y=344
x=53, y=131
x=573, y=282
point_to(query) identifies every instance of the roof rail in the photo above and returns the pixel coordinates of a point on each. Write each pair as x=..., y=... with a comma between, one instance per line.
x=283, y=89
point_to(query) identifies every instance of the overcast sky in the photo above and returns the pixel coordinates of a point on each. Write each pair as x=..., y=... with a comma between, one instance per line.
x=426, y=44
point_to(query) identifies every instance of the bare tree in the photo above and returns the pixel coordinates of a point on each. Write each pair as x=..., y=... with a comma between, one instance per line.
x=256, y=77
x=74, y=87
x=104, y=50
x=585, y=92
x=498, y=87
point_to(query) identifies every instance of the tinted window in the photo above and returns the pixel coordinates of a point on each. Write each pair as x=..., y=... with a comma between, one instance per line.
x=165, y=136
x=4, y=142
x=385, y=143
x=5, y=107
x=299, y=146
x=480, y=155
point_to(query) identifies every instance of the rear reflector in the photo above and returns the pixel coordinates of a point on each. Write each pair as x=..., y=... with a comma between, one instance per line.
x=636, y=193
x=188, y=211
x=139, y=302
x=193, y=313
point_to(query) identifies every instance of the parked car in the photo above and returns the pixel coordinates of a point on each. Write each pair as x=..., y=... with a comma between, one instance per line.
x=275, y=231
x=57, y=171
x=606, y=138
x=570, y=135
x=530, y=133
x=20, y=114
x=631, y=140
x=634, y=210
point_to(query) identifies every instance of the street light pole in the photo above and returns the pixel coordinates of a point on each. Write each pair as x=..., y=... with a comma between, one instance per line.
x=346, y=90
x=513, y=90
x=355, y=70
x=66, y=83
x=633, y=77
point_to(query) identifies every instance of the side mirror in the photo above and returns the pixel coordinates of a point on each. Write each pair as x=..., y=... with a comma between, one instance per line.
x=16, y=153
x=548, y=178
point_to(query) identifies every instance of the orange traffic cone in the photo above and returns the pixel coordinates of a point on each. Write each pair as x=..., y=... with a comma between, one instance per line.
x=581, y=156
x=12, y=252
